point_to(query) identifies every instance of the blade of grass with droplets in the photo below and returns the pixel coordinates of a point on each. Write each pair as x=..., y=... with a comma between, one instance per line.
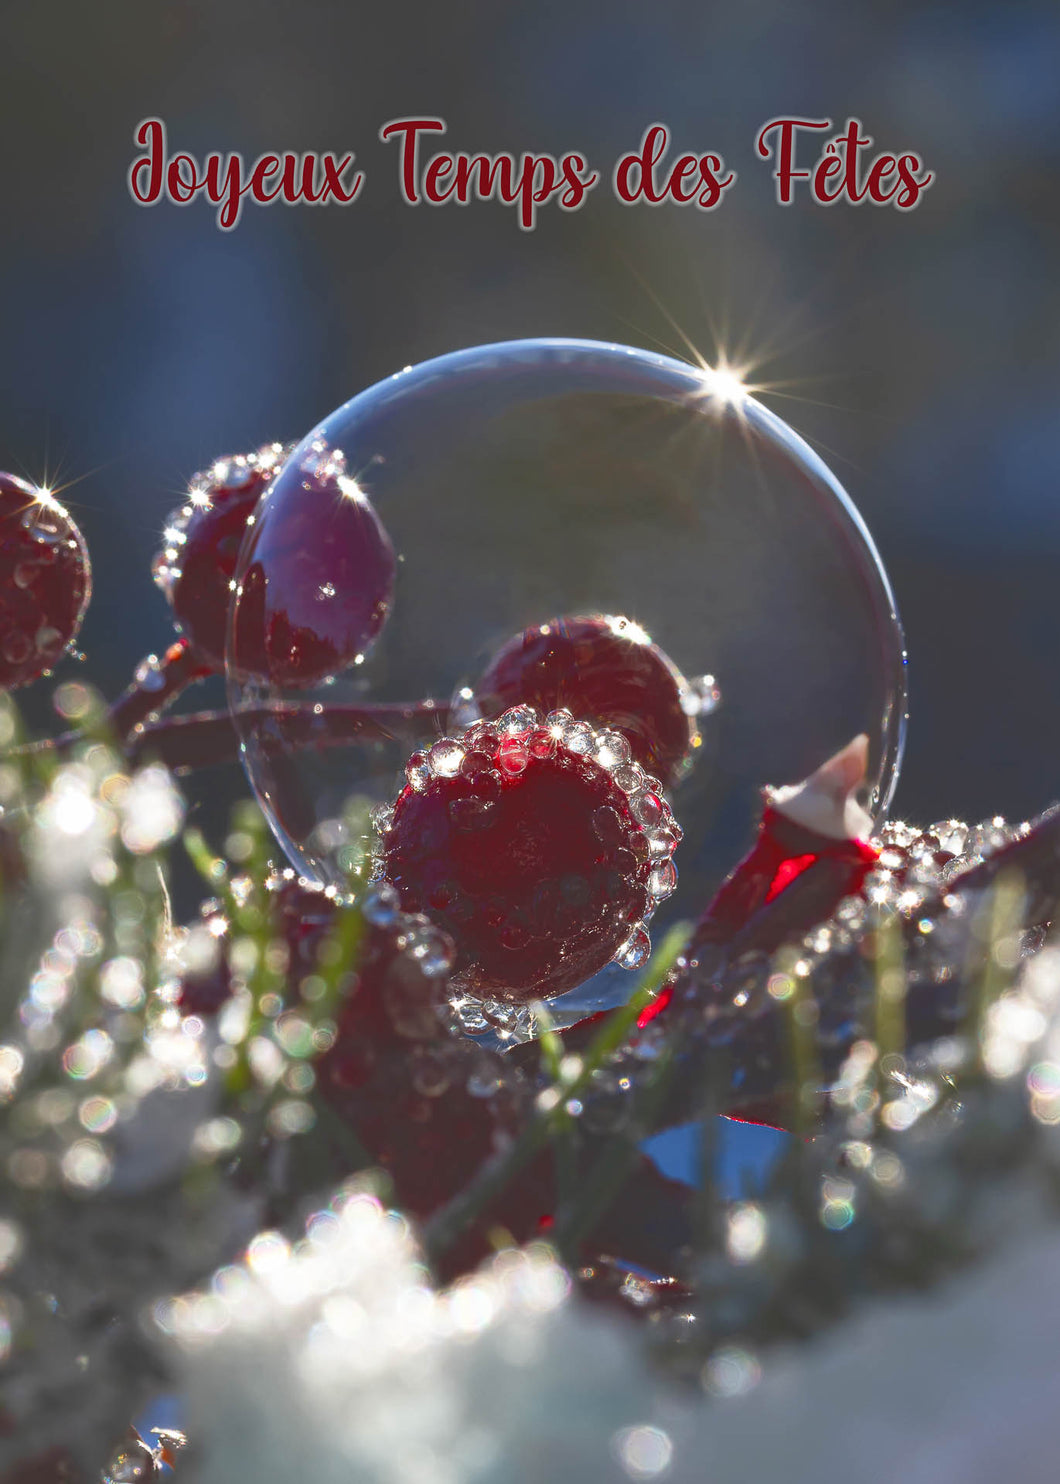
x=448, y=1223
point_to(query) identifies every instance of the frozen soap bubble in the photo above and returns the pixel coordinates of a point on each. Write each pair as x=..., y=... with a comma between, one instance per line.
x=482, y=497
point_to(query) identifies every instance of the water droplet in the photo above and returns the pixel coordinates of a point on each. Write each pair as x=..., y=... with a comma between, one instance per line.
x=608, y=826
x=382, y=817
x=612, y=750
x=475, y=762
x=516, y=721
x=660, y=842
x=148, y=674
x=542, y=744
x=630, y=778
x=512, y=757
x=578, y=738
x=381, y=906
x=418, y=772
x=428, y=945
x=133, y=1462
x=469, y=1014
x=634, y=951
x=514, y=935
x=647, y=809
x=445, y=758
x=663, y=880
x=468, y=814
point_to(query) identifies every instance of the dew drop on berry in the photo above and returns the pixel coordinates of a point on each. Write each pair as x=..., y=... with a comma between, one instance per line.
x=382, y=817
x=663, y=880
x=445, y=758
x=418, y=771
x=612, y=750
x=629, y=778
x=667, y=537
x=16, y=648
x=516, y=721
x=45, y=581
x=660, y=841
x=542, y=743
x=381, y=906
x=512, y=756
x=475, y=762
x=646, y=808
x=634, y=951
x=578, y=737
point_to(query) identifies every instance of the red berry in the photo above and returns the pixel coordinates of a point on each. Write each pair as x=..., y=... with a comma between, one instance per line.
x=537, y=846
x=300, y=916
x=423, y=1102
x=45, y=581
x=397, y=1000
x=608, y=670
x=203, y=538
x=203, y=992
x=319, y=577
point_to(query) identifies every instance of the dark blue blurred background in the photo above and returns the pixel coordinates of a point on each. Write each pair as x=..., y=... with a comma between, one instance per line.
x=921, y=353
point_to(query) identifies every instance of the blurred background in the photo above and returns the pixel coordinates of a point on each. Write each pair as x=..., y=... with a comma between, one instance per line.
x=919, y=353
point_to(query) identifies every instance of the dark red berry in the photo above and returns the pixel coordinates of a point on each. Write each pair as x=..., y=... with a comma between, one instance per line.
x=301, y=918
x=203, y=538
x=319, y=577
x=537, y=846
x=45, y=581
x=607, y=670
x=204, y=991
x=428, y=1106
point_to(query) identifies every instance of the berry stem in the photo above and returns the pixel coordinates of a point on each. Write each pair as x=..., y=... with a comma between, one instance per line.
x=208, y=738
x=157, y=685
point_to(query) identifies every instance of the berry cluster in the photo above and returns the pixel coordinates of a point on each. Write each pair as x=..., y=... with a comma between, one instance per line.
x=540, y=840
x=525, y=851
x=427, y=1104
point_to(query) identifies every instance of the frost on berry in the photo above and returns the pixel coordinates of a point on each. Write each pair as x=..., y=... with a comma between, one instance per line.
x=45, y=581
x=607, y=670
x=197, y=563
x=318, y=579
x=527, y=849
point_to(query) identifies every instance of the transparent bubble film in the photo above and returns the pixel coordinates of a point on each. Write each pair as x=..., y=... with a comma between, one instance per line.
x=563, y=540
